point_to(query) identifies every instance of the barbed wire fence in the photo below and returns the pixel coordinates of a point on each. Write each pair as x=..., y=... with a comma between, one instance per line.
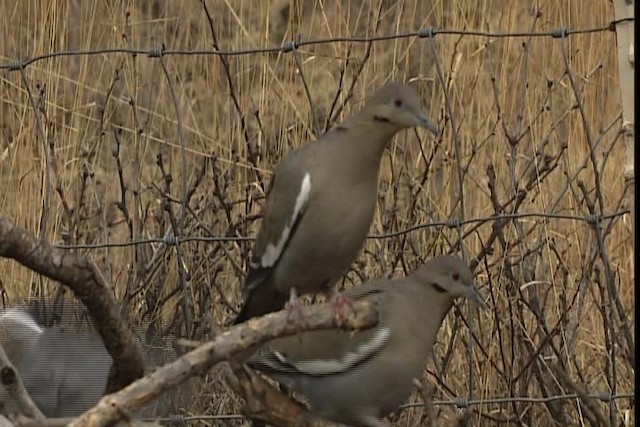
x=548, y=357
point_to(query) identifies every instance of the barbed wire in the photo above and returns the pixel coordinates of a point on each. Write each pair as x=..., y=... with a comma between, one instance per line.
x=17, y=64
x=594, y=218
x=172, y=240
x=462, y=402
x=459, y=403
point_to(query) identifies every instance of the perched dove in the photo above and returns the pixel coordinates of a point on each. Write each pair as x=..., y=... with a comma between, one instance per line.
x=359, y=378
x=321, y=203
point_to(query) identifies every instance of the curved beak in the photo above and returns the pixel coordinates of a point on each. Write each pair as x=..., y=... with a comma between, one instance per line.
x=424, y=122
x=472, y=293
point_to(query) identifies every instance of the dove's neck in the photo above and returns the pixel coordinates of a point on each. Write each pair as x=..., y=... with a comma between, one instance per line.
x=440, y=302
x=372, y=135
x=427, y=308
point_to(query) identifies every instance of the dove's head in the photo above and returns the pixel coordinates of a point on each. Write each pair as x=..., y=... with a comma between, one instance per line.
x=400, y=105
x=450, y=276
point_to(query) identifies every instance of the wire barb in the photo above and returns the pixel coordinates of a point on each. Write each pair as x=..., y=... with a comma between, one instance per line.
x=559, y=33
x=289, y=46
x=426, y=32
x=156, y=52
x=15, y=64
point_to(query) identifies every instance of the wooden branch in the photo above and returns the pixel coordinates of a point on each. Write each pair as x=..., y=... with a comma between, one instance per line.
x=236, y=343
x=589, y=403
x=426, y=393
x=80, y=274
x=12, y=383
x=266, y=404
x=22, y=421
x=625, y=33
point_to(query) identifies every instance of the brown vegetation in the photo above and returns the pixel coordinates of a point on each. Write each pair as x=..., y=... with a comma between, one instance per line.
x=124, y=142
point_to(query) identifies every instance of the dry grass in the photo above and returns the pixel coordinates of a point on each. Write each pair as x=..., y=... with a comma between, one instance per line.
x=108, y=117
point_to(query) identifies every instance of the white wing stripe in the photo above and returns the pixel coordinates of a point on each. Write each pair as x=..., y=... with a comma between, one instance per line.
x=272, y=252
x=348, y=360
x=303, y=196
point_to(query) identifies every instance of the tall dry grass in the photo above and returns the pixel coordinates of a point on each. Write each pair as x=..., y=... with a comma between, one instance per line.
x=118, y=168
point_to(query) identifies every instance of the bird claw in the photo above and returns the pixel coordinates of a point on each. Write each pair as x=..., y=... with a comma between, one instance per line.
x=339, y=301
x=294, y=309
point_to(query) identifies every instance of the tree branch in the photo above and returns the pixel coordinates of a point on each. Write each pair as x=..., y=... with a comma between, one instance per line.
x=80, y=274
x=235, y=344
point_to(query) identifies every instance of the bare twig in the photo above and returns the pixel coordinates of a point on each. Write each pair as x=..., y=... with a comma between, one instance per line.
x=11, y=381
x=236, y=342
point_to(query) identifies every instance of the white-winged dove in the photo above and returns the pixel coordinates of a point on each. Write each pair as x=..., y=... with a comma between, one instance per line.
x=18, y=333
x=65, y=371
x=359, y=378
x=321, y=202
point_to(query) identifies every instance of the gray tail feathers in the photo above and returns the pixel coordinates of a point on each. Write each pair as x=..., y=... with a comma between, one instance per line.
x=262, y=300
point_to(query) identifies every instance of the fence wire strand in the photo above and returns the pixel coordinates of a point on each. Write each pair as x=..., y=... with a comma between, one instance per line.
x=185, y=227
